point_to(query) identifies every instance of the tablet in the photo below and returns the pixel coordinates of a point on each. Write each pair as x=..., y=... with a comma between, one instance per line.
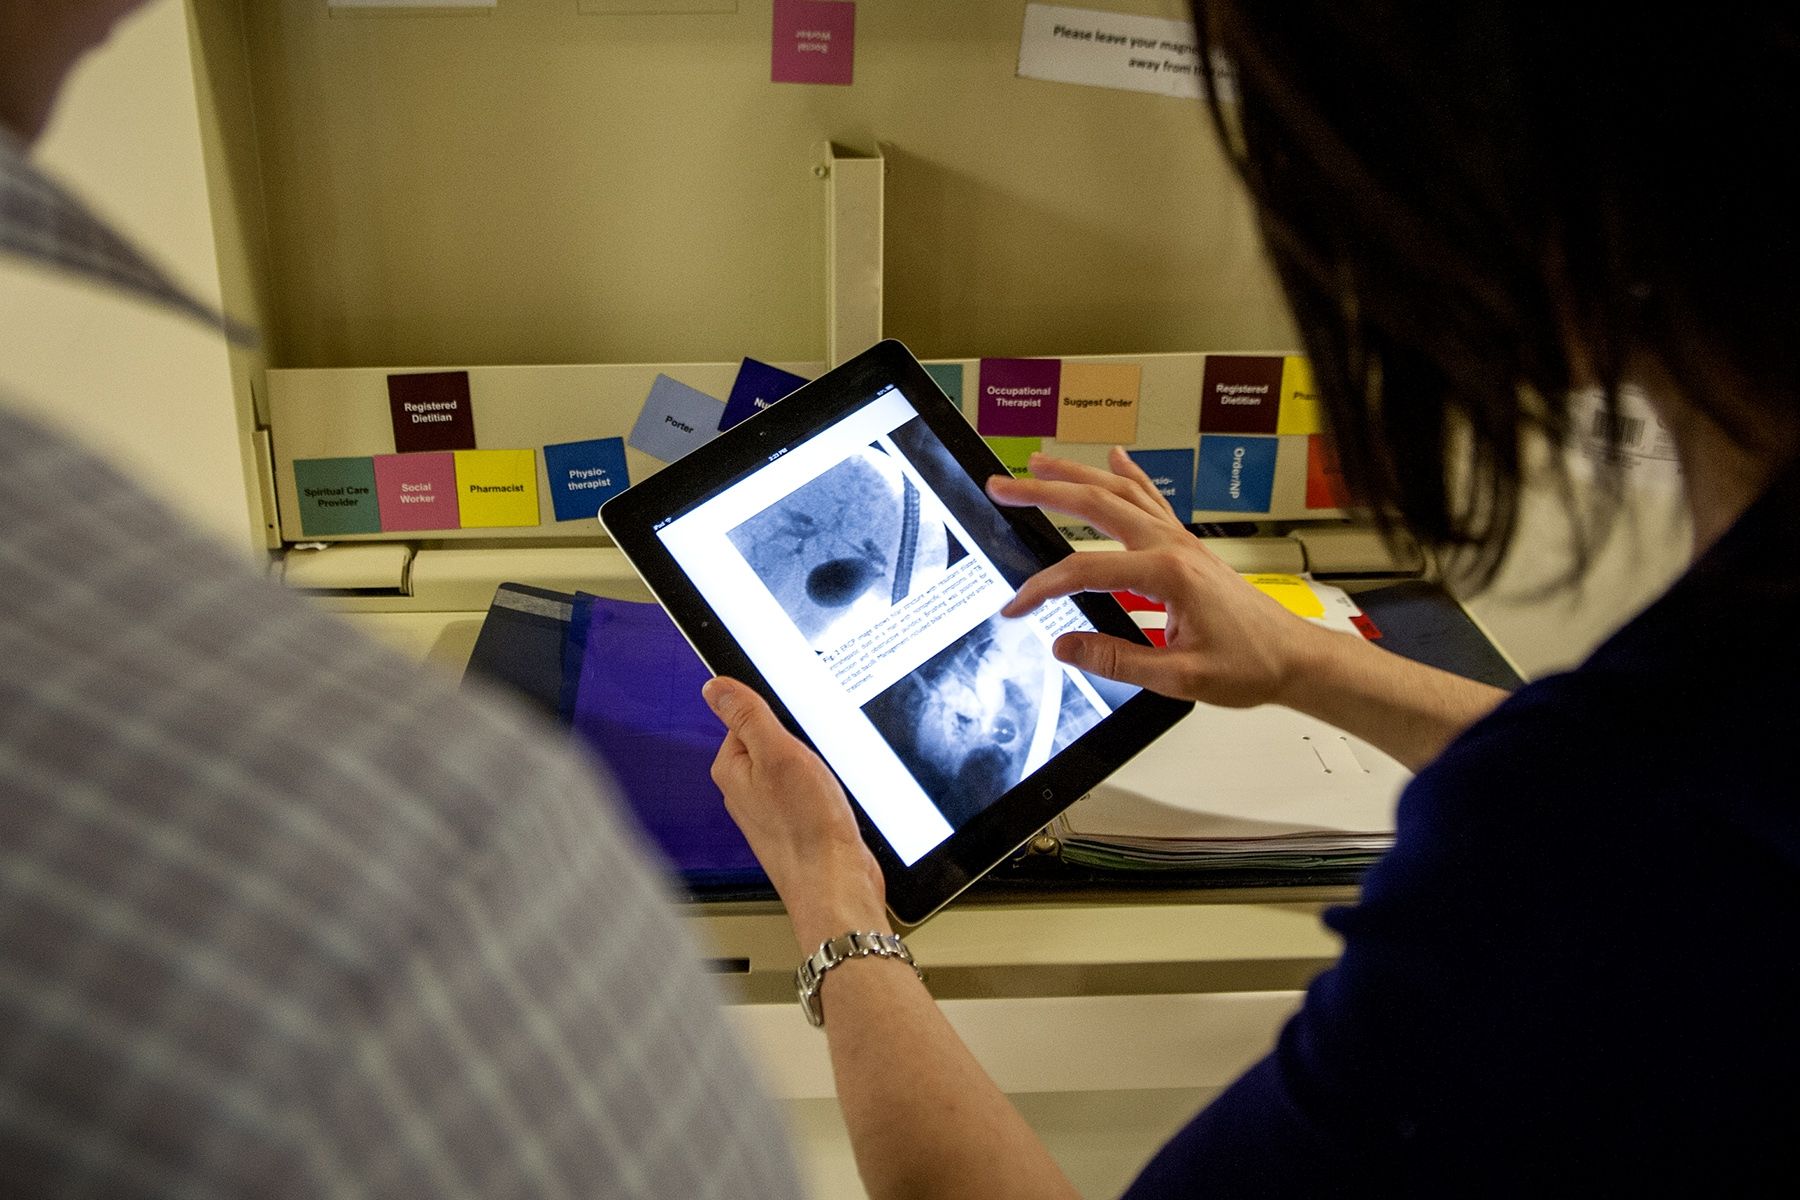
x=837, y=552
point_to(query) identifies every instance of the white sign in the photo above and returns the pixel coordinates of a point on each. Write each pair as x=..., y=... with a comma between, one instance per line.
x=1112, y=50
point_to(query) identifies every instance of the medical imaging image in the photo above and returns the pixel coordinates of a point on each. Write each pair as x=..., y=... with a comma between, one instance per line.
x=846, y=546
x=980, y=715
x=966, y=500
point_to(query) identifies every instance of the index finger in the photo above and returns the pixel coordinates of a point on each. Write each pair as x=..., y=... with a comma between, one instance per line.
x=1125, y=479
x=1126, y=466
x=1153, y=576
x=1104, y=509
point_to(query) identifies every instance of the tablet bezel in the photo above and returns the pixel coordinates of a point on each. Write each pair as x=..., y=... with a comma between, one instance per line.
x=984, y=841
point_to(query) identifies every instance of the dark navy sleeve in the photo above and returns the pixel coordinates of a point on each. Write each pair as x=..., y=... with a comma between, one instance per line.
x=1461, y=996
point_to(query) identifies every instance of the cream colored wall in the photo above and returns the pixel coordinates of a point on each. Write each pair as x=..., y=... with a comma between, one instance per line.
x=1025, y=217
x=151, y=390
x=529, y=184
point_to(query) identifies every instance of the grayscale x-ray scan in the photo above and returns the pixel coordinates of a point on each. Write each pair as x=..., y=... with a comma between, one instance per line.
x=980, y=715
x=843, y=548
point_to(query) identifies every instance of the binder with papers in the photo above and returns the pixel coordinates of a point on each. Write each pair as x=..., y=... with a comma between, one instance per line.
x=1229, y=797
x=1261, y=790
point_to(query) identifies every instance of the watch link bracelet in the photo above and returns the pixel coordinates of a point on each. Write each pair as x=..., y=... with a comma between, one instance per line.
x=843, y=948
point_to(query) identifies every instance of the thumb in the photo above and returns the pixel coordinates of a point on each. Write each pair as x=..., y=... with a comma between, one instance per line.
x=743, y=711
x=1116, y=658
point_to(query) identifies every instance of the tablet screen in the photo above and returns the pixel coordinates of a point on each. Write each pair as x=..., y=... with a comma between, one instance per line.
x=862, y=571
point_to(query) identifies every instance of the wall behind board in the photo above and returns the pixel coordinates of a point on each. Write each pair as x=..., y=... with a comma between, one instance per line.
x=156, y=392
x=531, y=184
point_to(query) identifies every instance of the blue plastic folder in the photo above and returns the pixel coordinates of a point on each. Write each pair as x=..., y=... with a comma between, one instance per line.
x=631, y=689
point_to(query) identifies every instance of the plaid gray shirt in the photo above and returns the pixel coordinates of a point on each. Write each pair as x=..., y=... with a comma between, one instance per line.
x=281, y=915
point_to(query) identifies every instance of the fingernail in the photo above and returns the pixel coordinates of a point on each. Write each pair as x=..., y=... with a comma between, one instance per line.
x=718, y=697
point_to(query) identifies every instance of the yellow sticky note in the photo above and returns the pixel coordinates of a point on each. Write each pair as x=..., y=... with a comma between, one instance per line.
x=1291, y=592
x=1299, y=399
x=1098, y=403
x=496, y=488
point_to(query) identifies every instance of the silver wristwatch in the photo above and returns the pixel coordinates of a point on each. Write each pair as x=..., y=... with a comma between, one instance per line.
x=842, y=948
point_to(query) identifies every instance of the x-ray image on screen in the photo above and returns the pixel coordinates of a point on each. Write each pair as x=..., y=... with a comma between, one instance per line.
x=980, y=715
x=844, y=547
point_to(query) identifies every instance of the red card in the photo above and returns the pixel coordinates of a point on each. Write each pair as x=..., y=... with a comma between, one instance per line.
x=1324, y=480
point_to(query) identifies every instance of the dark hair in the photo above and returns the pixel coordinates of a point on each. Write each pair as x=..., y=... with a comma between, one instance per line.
x=1452, y=193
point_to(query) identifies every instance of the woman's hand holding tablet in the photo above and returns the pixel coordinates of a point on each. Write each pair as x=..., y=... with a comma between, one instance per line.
x=836, y=552
x=1246, y=650
x=796, y=818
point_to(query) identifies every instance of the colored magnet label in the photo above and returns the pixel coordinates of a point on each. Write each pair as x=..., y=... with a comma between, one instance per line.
x=1099, y=403
x=431, y=411
x=497, y=488
x=1324, y=480
x=416, y=491
x=1299, y=398
x=1015, y=453
x=757, y=386
x=814, y=42
x=337, y=495
x=1018, y=397
x=949, y=378
x=1172, y=471
x=1241, y=394
x=585, y=475
x=1236, y=474
x=675, y=420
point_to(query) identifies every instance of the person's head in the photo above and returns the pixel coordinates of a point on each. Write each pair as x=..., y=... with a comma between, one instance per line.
x=40, y=43
x=1475, y=207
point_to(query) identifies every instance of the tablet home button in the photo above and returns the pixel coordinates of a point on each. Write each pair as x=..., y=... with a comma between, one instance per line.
x=1049, y=795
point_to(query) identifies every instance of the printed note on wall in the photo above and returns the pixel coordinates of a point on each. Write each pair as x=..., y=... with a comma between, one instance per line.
x=1115, y=50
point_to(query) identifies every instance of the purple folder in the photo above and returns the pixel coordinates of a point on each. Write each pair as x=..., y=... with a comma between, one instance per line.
x=632, y=690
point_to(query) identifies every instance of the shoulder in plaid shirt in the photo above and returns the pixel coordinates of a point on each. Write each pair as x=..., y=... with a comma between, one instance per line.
x=280, y=915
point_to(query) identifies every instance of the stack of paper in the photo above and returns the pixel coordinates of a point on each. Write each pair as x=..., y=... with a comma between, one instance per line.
x=1262, y=788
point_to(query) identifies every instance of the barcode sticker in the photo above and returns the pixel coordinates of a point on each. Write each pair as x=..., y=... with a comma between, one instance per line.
x=1644, y=450
x=1642, y=437
x=1631, y=430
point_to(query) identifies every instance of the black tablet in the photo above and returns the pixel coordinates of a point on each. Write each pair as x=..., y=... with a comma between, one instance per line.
x=837, y=552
